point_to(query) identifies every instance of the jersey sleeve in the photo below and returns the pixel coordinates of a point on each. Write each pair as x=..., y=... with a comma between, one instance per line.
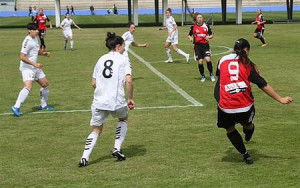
x=127, y=67
x=47, y=18
x=172, y=21
x=63, y=22
x=209, y=31
x=218, y=70
x=191, y=31
x=25, y=46
x=256, y=78
x=125, y=36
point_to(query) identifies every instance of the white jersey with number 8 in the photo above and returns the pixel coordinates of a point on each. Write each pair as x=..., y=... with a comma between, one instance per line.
x=110, y=72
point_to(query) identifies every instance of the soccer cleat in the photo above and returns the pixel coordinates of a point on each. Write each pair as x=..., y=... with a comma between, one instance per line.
x=203, y=78
x=212, y=78
x=72, y=49
x=169, y=61
x=263, y=45
x=83, y=162
x=248, y=133
x=187, y=57
x=46, y=108
x=247, y=159
x=65, y=47
x=15, y=111
x=118, y=154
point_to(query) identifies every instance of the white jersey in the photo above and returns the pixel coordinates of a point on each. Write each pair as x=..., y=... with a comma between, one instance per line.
x=66, y=23
x=30, y=47
x=110, y=72
x=128, y=38
x=170, y=22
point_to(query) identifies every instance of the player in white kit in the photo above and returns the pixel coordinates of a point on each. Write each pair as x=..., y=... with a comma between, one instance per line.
x=172, y=39
x=128, y=38
x=111, y=72
x=67, y=30
x=31, y=70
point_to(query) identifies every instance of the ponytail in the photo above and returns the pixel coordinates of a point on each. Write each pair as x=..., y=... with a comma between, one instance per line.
x=239, y=47
x=112, y=40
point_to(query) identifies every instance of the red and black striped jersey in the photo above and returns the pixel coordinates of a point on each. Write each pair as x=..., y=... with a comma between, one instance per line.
x=41, y=21
x=260, y=18
x=199, y=32
x=233, y=90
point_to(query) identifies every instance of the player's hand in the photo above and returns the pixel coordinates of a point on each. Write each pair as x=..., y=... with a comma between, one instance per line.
x=130, y=104
x=160, y=28
x=145, y=45
x=80, y=29
x=286, y=100
x=47, y=54
x=38, y=65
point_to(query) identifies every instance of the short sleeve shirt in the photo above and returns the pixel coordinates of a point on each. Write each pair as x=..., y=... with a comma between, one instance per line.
x=30, y=47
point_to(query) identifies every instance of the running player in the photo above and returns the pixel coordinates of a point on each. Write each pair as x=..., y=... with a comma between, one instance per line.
x=67, y=30
x=260, y=27
x=234, y=96
x=128, y=38
x=41, y=20
x=172, y=39
x=200, y=34
x=110, y=74
x=31, y=70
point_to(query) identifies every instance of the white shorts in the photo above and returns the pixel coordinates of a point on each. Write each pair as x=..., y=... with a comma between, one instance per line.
x=100, y=116
x=67, y=34
x=173, y=39
x=32, y=74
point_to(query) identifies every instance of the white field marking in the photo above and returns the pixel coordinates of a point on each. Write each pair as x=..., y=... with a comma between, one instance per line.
x=163, y=77
x=192, y=57
x=74, y=111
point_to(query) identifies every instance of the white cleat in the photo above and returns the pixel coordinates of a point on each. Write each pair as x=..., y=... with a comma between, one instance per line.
x=169, y=61
x=212, y=78
x=187, y=57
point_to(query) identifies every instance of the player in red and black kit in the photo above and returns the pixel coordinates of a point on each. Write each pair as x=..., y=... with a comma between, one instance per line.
x=41, y=20
x=200, y=34
x=234, y=96
x=260, y=28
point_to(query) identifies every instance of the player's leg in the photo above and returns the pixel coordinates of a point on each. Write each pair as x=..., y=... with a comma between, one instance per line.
x=261, y=38
x=199, y=56
x=179, y=51
x=247, y=122
x=42, y=35
x=44, y=91
x=168, y=51
x=23, y=94
x=71, y=41
x=209, y=66
x=97, y=120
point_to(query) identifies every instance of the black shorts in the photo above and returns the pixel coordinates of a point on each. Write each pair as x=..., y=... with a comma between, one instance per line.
x=226, y=120
x=201, y=51
x=42, y=33
x=259, y=32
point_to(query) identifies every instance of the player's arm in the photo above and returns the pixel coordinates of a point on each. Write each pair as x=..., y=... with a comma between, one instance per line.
x=190, y=34
x=129, y=85
x=94, y=83
x=162, y=28
x=210, y=34
x=139, y=45
x=76, y=25
x=24, y=58
x=50, y=24
x=41, y=52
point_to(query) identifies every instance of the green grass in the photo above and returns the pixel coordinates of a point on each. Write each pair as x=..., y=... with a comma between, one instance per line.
x=178, y=147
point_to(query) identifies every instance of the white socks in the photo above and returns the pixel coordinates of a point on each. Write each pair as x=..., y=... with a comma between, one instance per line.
x=22, y=97
x=168, y=51
x=72, y=43
x=89, y=145
x=44, y=92
x=120, y=134
x=181, y=52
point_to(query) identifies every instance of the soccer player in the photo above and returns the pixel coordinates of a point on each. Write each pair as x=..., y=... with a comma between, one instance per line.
x=128, y=38
x=67, y=30
x=111, y=72
x=234, y=96
x=172, y=39
x=200, y=34
x=34, y=13
x=32, y=70
x=41, y=20
x=260, y=27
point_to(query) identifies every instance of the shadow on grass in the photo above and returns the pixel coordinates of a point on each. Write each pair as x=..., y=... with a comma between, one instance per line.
x=129, y=151
x=234, y=156
x=36, y=108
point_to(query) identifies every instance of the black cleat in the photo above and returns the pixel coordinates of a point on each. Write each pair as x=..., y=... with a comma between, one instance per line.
x=118, y=154
x=248, y=133
x=247, y=159
x=83, y=162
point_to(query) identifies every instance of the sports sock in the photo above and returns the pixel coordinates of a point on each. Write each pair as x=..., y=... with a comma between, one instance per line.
x=262, y=40
x=209, y=67
x=168, y=51
x=120, y=134
x=89, y=145
x=72, y=43
x=22, y=97
x=44, y=93
x=181, y=52
x=201, y=69
x=43, y=43
x=237, y=141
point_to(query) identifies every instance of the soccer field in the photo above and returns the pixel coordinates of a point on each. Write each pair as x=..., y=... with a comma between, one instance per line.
x=172, y=138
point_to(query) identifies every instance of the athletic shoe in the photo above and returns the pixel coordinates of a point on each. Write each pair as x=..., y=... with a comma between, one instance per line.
x=46, y=108
x=212, y=78
x=72, y=49
x=15, y=111
x=83, y=162
x=202, y=78
x=169, y=61
x=247, y=159
x=248, y=135
x=65, y=47
x=187, y=57
x=263, y=45
x=118, y=154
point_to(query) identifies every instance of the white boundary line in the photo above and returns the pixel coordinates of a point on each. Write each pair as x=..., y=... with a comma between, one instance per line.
x=163, y=77
x=74, y=111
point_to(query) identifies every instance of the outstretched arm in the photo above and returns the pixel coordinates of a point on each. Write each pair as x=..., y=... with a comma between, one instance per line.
x=76, y=26
x=139, y=45
x=272, y=93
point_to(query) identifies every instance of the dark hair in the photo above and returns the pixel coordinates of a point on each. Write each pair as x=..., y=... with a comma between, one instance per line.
x=129, y=24
x=239, y=47
x=66, y=14
x=112, y=40
x=32, y=26
x=169, y=10
x=195, y=16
